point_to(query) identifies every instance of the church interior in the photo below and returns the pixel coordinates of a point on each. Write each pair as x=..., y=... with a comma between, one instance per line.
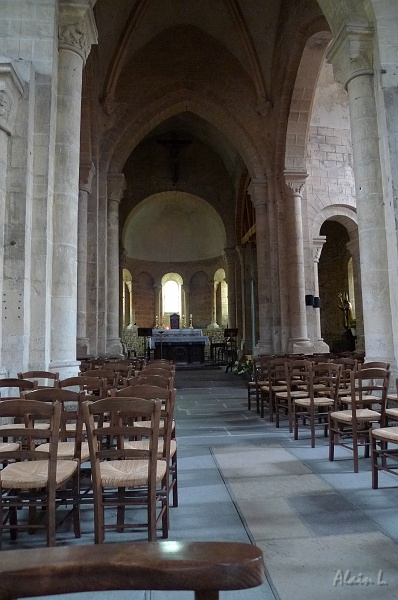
x=233, y=162
x=210, y=182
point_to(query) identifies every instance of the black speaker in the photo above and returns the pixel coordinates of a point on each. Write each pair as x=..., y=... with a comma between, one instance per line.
x=309, y=300
x=144, y=331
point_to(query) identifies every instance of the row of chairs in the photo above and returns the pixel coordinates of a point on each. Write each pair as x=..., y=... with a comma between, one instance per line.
x=348, y=399
x=124, y=433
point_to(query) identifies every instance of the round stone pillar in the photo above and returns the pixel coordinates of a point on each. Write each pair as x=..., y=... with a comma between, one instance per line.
x=76, y=33
x=213, y=286
x=11, y=89
x=87, y=172
x=320, y=345
x=242, y=298
x=353, y=248
x=186, y=290
x=116, y=187
x=157, y=288
x=351, y=55
x=299, y=340
x=258, y=192
x=230, y=256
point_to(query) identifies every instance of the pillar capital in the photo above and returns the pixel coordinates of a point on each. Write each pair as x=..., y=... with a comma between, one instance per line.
x=317, y=245
x=11, y=89
x=116, y=186
x=257, y=191
x=77, y=30
x=351, y=53
x=86, y=176
x=295, y=181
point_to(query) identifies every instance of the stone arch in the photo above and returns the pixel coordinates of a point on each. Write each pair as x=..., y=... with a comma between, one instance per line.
x=302, y=98
x=169, y=104
x=345, y=215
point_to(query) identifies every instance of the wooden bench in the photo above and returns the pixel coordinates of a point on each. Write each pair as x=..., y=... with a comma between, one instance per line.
x=203, y=567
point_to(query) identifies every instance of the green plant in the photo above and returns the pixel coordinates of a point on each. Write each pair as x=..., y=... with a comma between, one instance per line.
x=243, y=367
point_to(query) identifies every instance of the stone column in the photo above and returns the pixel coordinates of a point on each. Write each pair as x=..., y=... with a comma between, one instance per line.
x=76, y=33
x=351, y=55
x=129, y=285
x=258, y=193
x=242, y=298
x=11, y=89
x=157, y=288
x=213, y=286
x=320, y=345
x=230, y=256
x=353, y=248
x=116, y=186
x=299, y=341
x=187, y=303
x=87, y=172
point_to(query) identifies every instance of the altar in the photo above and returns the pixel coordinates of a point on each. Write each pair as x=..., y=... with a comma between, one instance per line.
x=183, y=346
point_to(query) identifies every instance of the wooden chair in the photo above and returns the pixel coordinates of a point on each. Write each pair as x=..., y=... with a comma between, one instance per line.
x=70, y=444
x=310, y=412
x=126, y=476
x=111, y=377
x=167, y=445
x=297, y=386
x=152, y=379
x=276, y=383
x=95, y=387
x=350, y=428
x=202, y=567
x=42, y=378
x=32, y=479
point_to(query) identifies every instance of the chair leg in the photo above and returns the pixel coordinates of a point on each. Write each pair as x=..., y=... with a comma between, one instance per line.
x=355, y=451
x=175, y=480
x=296, y=416
x=374, y=465
x=331, y=440
x=312, y=428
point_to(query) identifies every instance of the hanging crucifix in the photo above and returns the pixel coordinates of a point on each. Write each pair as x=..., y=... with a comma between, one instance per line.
x=175, y=146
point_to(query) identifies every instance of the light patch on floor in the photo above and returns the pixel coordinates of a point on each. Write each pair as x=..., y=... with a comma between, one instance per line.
x=316, y=543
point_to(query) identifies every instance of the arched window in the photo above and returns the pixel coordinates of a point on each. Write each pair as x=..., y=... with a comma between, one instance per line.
x=171, y=297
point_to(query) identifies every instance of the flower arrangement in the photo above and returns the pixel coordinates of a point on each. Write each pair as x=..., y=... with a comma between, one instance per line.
x=243, y=366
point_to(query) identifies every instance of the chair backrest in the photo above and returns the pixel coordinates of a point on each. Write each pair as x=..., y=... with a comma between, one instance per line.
x=328, y=376
x=71, y=410
x=92, y=386
x=128, y=566
x=108, y=374
x=366, y=382
x=374, y=364
x=151, y=379
x=43, y=378
x=124, y=415
x=297, y=373
x=24, y=413
x=167, y=398
x=277, y=370
x=165, y=370
x=12, y=383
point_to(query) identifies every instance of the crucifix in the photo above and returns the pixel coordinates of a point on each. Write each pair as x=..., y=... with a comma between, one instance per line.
x=175, y=146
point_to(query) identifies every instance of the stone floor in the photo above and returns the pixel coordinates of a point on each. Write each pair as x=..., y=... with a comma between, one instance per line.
x=324, y=532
